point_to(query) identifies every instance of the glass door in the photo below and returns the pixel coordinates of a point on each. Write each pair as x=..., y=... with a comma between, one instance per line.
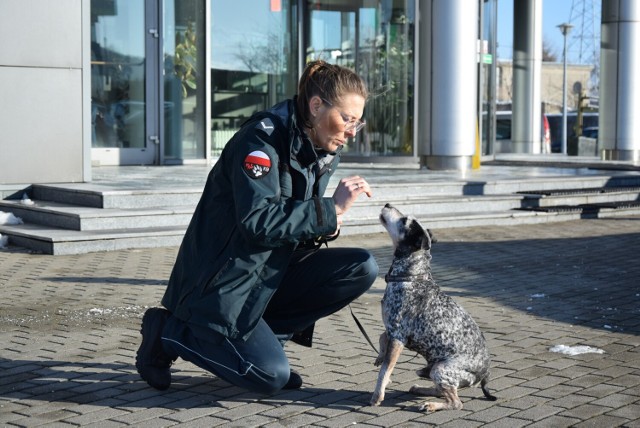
x=253, y=61
x=375, y=38
x=124, y=73
x=184, y=80
x=489, y=125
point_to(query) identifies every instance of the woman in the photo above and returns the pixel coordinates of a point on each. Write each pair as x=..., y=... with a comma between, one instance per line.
x=250, y=274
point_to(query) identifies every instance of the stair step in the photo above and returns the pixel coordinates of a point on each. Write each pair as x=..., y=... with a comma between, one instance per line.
x=72, y=217
x=589, y=208
x=502, y=218
x=65, y=242
x=82, y=217
x=86, y=195
x=579, y=196
x=583, y=191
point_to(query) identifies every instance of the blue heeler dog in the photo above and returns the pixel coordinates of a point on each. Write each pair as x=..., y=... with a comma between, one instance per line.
x=419, y=316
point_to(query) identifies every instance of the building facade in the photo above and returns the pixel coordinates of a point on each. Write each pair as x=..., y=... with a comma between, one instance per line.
x=161, y=82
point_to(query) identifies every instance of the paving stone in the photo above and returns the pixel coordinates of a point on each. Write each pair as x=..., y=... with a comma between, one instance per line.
x=537, y=413
x=555, y=422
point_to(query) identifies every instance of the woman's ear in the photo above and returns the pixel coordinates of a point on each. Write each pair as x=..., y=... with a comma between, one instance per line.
x=314, y=105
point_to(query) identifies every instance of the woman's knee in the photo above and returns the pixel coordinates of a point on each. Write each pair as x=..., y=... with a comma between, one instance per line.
x=269, y=381
x=369, y=268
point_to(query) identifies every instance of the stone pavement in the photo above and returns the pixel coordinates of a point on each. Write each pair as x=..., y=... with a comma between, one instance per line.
x=69, y=331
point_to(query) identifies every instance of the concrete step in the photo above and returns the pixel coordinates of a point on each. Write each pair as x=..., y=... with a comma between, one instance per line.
x=57, y=241
x=83, y=217
x=437, y=205
x=597, y=195
x=90, y=195
x=497, y=218
x=73, y=217
x=86, y=195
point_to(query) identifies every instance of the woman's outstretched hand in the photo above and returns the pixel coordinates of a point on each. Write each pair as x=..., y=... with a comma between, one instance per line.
x=347, y=191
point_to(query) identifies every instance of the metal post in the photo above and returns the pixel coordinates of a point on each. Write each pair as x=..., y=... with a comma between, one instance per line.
x=565, y=29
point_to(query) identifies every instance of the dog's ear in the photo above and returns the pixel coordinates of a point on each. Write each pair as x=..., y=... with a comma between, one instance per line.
x=416, y=236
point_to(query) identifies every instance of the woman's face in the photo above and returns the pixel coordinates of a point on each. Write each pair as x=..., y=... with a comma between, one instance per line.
x=333, y=122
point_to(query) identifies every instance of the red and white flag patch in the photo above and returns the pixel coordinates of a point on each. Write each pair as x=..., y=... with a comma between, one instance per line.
x=257, y=164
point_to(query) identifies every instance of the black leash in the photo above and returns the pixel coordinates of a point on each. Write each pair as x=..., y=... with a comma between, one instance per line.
x=366, y=336
x=364, y=333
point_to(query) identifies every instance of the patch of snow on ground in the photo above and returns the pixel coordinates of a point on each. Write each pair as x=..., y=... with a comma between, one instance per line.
x=575, y=350
x=9, y=218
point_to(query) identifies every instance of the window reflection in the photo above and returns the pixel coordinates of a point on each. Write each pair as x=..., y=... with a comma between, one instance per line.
x=184, y=79
x=377, y=40
x=253, y=62
x=117, y=74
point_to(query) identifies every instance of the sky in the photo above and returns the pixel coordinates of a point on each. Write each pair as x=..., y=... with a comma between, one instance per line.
x=554, y=13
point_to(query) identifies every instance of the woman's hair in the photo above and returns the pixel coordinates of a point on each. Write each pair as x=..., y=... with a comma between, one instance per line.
x=327, y=81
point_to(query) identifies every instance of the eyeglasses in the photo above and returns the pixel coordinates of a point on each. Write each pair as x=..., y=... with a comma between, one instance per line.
x=354, y=125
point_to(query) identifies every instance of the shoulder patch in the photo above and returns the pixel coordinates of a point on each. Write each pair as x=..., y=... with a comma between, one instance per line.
x=266, y=125
x=257, y=164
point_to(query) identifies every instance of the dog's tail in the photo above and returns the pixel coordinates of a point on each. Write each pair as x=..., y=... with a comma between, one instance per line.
x=485, y=391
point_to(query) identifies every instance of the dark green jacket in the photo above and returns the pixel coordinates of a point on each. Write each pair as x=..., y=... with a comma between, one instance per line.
x=261, y=199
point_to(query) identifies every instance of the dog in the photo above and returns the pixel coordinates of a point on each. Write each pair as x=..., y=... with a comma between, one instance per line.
x=419, y=316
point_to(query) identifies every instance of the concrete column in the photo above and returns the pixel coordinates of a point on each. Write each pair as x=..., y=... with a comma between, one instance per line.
x=447, y=81
x=619, y=133
x=527, y=71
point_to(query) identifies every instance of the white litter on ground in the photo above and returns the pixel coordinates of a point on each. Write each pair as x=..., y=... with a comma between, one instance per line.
x=575, y=350
x=4, y=240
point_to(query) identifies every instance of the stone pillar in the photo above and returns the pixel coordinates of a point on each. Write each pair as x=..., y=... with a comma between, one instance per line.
x=447, y=81
x=619, y=133
x=527, y=70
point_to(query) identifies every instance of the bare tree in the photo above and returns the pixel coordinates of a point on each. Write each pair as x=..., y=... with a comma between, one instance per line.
x=548, y=52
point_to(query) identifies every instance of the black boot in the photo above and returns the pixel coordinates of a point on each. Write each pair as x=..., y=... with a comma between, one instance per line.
x=152, y=361
x=294, y=382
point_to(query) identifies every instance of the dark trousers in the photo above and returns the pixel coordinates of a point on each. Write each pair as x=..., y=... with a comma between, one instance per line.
x=316, y=284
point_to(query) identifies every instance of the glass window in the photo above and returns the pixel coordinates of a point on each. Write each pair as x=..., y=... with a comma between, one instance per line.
x=184, y=79
x=118, y=61
x=376, y=38
x=494, y=137
x=253, y=61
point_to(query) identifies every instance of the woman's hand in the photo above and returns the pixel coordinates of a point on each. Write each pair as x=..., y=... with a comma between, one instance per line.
x=347, y=192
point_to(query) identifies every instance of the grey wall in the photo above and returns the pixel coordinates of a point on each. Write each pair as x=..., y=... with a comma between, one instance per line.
x=43, y=98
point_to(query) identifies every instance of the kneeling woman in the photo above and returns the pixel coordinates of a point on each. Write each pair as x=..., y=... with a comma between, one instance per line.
x=250, y=273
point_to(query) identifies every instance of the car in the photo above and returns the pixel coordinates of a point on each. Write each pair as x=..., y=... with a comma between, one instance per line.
x=590, y=132
x=589, y=120
x=503, y=133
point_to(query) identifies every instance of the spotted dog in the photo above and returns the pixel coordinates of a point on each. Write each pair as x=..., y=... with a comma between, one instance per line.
x=419, y=316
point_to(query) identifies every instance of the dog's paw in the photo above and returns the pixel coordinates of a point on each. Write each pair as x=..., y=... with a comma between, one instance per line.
x=376, y=399
x=378, y=361
x=428, y=406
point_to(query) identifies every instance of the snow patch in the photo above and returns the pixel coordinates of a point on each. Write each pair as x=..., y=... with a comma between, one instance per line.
x=575, y=350
x=25, y=200
x=9, y=218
